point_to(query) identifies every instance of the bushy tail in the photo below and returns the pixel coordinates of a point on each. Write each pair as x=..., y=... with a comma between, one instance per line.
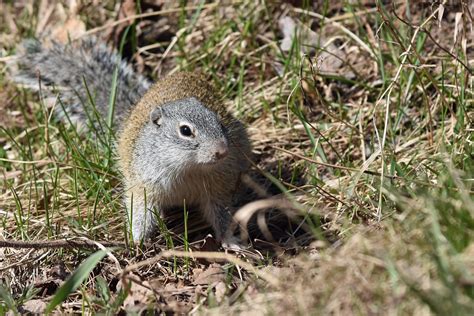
x=73, y=67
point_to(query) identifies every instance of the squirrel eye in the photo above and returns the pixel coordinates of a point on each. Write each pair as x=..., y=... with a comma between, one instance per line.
x=186, y=131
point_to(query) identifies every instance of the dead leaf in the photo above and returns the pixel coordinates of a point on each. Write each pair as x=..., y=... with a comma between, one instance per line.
x=329, y=57
x=58, y=271
x=35, y=307
x=59, y=22
x=73, y=27
x=288, y=28
x=47, y=287
x=138, y=294
x=179, y=307
x=221, y=290
x=213, y=274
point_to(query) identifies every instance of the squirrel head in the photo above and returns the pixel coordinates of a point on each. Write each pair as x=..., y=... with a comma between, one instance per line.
x=188, y=132
x=180, y=136
x=179, y=125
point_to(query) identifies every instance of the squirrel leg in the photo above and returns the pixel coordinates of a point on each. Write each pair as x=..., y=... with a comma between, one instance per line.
x=141, y=219
x=220, y=219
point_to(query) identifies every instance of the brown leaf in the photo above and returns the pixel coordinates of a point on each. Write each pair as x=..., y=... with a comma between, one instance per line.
x=329, y=57
x=47, y=287
x=58, y=271
x=59, y=23
x=221, y=290
x=35, y=307
x=213, y=274
x=139, y=294
x=73, y=27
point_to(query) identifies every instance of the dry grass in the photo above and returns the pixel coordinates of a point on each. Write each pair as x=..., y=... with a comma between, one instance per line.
x=363, y=121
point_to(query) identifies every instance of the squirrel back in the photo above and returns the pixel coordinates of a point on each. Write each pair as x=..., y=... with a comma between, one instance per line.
x=73, y=69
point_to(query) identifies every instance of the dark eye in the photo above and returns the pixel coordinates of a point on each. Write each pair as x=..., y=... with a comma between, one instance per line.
x=185, y=130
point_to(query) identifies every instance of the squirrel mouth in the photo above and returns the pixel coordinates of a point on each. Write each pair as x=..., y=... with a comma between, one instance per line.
x=211, y=162
x=216, y=155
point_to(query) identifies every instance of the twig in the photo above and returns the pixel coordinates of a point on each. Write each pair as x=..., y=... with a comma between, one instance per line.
x=374, y=173
x=388, y=91
x=144, y=15
x=43, y=162
x=204, y=255
x=425, y=30
x=361, y=43
x=61, y=243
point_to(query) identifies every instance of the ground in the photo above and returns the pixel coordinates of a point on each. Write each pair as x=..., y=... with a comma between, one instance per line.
x=360, y=114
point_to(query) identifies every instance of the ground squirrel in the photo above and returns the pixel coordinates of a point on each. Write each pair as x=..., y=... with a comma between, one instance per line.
x=176, y=142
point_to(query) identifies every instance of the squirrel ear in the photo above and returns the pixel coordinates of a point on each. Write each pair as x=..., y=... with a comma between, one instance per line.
x=156, y=116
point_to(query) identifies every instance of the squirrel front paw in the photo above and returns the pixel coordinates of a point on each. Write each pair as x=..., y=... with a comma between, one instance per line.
x=233, y=243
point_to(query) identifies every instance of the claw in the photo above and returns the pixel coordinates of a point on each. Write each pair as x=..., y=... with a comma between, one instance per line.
x=232, y=243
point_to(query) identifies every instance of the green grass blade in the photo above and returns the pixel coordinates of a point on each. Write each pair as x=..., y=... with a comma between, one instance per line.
x=81, y=273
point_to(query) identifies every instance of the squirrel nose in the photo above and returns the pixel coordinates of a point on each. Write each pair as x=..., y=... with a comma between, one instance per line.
x=222, y=150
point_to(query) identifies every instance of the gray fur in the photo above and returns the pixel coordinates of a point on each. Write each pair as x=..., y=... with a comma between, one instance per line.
x=65, y=67
x=177, y=170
